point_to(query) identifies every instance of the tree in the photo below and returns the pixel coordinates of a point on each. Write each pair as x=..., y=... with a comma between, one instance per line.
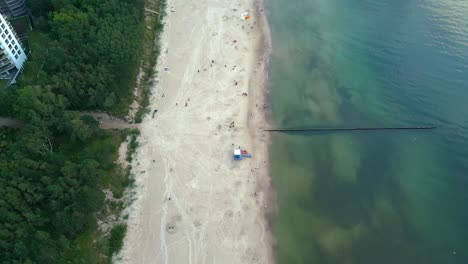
x=37, y=103
x=52, y=171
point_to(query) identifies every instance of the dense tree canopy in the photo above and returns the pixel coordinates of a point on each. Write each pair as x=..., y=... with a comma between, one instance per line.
x=48, y=193
x=52, y=170
x=92, y=50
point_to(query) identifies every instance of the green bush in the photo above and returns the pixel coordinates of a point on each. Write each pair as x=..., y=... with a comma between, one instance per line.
x=117, y=235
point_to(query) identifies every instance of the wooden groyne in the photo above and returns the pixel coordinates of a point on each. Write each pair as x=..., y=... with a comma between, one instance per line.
x=332, y=129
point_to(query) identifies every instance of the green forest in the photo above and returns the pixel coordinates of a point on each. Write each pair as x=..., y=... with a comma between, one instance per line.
x=84, y=56
x=88, y=52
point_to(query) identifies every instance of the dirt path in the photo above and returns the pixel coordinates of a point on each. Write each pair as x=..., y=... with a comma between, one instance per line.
x=10, y=122
x=106, y=121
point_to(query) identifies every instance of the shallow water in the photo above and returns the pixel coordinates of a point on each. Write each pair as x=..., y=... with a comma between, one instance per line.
x=371, y=197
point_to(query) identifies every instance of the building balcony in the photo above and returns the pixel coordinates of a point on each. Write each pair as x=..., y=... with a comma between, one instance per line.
x=3, y=64
x=4, y=58
x=7, y=68
x=13, y=8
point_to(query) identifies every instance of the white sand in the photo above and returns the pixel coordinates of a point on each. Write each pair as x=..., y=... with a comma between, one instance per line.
x=194, y=203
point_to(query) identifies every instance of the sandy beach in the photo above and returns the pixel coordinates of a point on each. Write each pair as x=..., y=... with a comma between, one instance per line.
x=193, y=202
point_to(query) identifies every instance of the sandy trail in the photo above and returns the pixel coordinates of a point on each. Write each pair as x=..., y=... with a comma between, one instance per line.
x=194, y=204
x=10, y=122
x=106, y=121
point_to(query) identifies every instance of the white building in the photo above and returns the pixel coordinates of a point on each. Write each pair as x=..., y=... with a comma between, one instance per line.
x=12, y=55
x=13, y=8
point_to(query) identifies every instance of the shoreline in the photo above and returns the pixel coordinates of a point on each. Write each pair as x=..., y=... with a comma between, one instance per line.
x=264, y=138
x=168, y=219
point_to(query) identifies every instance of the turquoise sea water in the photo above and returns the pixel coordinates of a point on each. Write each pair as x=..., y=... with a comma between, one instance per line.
x=370, y=197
